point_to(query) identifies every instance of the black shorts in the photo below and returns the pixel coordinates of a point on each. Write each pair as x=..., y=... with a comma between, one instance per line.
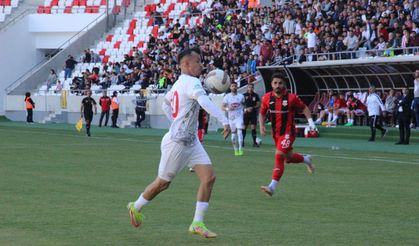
x=250, y=118
x=88, y=116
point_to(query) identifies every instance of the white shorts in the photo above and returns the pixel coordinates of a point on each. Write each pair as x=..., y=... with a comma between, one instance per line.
x=175, y=156
x=359, y=112
x=236, y=124
x=343, y=110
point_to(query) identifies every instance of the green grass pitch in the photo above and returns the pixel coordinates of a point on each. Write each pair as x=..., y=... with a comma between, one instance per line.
x=58, y=187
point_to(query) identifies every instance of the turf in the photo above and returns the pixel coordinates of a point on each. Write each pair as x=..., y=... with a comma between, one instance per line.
x=59, y=187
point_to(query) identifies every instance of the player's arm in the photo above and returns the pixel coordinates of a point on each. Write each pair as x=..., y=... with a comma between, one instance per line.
x=306, y=111
x=262, y=116
x=210, y=107
x=167, y=109
x=225, y=104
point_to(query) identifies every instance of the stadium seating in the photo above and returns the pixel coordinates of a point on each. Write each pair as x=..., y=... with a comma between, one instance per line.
x=79, y=6
x=6, y=7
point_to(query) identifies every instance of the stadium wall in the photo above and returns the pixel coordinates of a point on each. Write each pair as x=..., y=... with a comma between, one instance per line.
x=34, y=71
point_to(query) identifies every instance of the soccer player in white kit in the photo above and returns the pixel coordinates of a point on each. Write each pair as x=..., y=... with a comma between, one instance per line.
x=180, y=147
x=233, y=103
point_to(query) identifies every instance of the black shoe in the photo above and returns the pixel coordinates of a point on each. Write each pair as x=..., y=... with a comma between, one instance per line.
x=406, y=143
x=371, y=140
x=399, y=143
x=256, y=145
x=384, y=133
x=99, y=126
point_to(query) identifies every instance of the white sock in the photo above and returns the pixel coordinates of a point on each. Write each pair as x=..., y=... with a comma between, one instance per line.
x=306, y=159
x=329, y=117
x=273, y=184
x=201, y=209
x=240, y=137
x=351, y=121
x=234, y=140
x=335, y=117
x=141, y=201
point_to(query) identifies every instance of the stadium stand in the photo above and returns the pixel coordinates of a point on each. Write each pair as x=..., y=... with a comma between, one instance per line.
x=79, y=6
x=319, y=45
x=6, y=7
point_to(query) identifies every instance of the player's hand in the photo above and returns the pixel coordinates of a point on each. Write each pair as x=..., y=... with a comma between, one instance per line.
x=226, y=132
x=249, y=109
x=262, y=130
x=81, y=116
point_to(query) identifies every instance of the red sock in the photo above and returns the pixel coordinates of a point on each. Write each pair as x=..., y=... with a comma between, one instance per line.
x=296, y=158
x=279, y=167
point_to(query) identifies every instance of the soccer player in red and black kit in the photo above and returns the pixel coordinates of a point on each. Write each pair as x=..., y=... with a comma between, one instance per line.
x=281, y=107
x=86, y=110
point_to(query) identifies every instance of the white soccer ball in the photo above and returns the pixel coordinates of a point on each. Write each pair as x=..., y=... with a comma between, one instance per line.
x=217, y=81
x=258, y=140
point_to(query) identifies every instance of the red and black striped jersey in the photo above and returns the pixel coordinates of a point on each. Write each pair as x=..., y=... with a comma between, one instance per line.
x=281, y=112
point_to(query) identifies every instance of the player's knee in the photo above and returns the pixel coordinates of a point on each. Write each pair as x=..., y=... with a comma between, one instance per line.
x=210, y=180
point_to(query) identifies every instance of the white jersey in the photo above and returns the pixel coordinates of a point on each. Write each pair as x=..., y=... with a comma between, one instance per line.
x=184, y=108
x=235, y=105
x=374, y=104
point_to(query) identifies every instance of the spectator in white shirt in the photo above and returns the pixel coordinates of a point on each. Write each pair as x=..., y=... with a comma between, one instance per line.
x=311, y=39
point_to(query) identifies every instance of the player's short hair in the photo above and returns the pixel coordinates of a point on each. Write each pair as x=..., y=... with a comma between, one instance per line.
x=278, y=76
x=188, y=52
x=233, y=82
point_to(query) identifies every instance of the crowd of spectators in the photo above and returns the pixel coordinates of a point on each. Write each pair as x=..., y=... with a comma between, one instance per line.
x=238, y=39
x=333, y=108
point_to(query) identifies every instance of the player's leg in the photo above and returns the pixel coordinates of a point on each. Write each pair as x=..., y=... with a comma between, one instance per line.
x=283, y=145
x=234, y=137
x=88, y=118
x=137, y=112
x=253, y=123
x=292, y=157
x=239, y=125
x=320, y=118
x=206, y=175
x=173, y=160
x=277, y=173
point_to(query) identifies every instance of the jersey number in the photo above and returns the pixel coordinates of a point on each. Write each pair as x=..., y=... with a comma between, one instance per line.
x=285, y=143
x=175, y=104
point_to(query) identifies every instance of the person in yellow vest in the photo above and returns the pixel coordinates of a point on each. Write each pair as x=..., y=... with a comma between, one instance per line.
x=115, y=109
x=29, y=105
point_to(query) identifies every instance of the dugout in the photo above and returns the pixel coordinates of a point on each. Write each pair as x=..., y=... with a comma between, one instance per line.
x=308, y=78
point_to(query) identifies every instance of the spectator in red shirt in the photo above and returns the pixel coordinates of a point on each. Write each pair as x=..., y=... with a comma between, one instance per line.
x=105, y=104
x=266, y=51
x=281, y=107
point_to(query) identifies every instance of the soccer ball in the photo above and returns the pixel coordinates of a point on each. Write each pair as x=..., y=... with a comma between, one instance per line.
x=258, y=140
x=217, y=81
